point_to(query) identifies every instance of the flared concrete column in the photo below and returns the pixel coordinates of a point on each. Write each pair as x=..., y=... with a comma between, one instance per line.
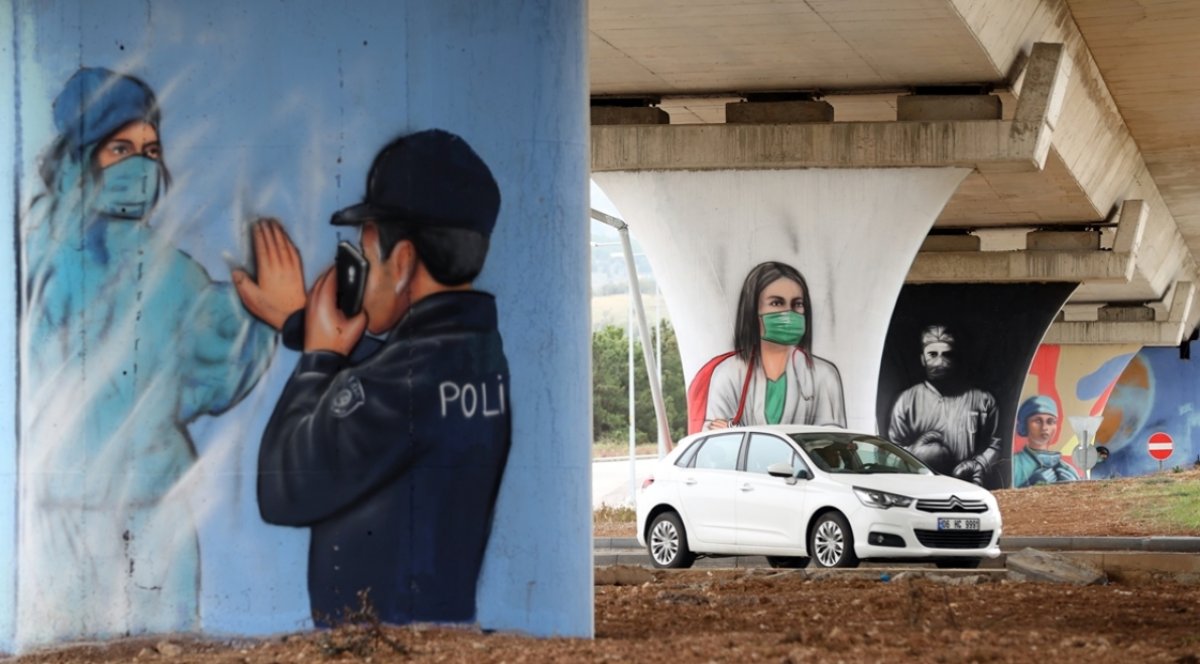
x=1156, y=394
x=852, y=234
x=278, y=110
x=1079, y=380
x=953, y=367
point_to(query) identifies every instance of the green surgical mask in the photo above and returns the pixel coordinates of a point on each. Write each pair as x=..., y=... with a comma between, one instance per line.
x=783, y=327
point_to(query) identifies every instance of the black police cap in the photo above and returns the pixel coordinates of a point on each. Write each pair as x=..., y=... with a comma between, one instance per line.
x=429, y=178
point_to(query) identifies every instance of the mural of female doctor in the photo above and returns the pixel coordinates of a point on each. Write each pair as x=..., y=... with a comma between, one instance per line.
x=125, y=340
x=784, y=382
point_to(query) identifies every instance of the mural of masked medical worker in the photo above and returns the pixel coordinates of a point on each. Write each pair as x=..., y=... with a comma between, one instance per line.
x=125, y=340
x=1037, y=420
x=391, y=437
x=772, y=377
x=945, y=423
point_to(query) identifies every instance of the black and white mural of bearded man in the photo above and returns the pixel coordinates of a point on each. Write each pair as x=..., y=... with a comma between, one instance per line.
x=946, y=423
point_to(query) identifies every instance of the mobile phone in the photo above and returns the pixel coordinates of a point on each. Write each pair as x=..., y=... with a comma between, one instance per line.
x=351, y=278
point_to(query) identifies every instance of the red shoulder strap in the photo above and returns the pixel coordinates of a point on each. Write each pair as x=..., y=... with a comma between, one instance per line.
x=737, y=419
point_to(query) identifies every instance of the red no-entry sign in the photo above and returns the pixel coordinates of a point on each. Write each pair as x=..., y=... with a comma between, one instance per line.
x=1160, y=446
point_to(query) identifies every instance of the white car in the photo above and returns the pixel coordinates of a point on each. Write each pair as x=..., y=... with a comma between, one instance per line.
x=792, y=493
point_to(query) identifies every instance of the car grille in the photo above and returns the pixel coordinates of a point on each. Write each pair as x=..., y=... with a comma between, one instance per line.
x=951, y=504
x=943, y=539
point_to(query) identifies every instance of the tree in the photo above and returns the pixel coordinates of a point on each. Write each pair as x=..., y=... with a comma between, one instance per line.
x=610, y=384
x=610, y=387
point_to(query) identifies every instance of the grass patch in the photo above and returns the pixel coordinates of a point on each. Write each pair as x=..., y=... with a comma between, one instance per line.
x=607, y=449
x=609, y=515
x=1169, y=502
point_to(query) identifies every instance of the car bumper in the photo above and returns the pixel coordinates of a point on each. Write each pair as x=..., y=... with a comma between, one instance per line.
x=918, y=531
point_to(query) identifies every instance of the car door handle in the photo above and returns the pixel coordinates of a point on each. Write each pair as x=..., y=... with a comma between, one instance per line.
x=747, y=487
x=690, y=481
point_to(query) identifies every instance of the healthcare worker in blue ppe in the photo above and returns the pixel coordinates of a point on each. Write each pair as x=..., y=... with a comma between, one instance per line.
x=1037, y=420
x=125, y=340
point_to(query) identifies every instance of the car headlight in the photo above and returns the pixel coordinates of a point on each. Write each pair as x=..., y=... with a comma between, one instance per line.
x=881, y=499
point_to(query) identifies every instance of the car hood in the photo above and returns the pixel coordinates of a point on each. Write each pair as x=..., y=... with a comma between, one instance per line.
x=915, y=486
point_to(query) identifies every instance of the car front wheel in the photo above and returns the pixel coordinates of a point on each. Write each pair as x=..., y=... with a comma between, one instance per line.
x=667, y=542
x=831, y=543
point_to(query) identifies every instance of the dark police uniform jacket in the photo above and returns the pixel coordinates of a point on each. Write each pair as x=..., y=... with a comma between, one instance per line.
x=395, y=462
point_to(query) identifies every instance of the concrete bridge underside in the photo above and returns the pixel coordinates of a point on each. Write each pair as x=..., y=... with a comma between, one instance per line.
x=1076, y=119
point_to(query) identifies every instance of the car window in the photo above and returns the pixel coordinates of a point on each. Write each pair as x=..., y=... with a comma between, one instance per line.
x=765, y=450
x=858, y=454
x=719, y=452
x=687, y=456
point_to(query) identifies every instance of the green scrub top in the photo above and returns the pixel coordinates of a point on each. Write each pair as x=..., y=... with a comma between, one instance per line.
x=776, y=399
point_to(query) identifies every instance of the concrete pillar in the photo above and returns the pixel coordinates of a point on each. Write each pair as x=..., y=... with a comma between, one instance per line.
x=1156, y=393
x=1081, y=381
x=279, y=110
x=952, y=371
x=852, y=234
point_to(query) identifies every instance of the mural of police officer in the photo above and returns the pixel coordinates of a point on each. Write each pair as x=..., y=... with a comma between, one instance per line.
x=394, y=460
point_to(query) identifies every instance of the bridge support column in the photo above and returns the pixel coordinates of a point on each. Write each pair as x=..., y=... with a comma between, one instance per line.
x=1081, y=381
x=136, y=453
x=851, y=233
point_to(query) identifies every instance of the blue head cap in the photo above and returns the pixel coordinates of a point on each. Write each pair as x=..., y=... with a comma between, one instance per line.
x=1033, y=406
x=96, y=102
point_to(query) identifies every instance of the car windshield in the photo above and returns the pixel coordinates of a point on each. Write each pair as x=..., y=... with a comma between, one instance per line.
x=858, y=454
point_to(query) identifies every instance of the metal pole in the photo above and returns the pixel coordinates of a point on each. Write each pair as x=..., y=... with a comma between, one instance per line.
x=660, y=408
x=1087, y=471
x=662, y=443
x=632, y=414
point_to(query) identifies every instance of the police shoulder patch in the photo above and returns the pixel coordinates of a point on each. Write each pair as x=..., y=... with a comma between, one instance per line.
x=348, y=398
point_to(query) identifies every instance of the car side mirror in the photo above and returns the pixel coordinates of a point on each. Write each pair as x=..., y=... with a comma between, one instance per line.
x=781, y=469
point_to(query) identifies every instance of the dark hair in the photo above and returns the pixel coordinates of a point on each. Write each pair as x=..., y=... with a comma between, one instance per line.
x=746, y=335
x=453, y=256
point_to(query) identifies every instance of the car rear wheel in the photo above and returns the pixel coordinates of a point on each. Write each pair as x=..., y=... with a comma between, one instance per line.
x=667, y=542
x=958, y=563
x=831, y=543
x=787, y=562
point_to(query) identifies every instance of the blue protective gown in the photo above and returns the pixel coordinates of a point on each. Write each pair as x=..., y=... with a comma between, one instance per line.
x=125, y=339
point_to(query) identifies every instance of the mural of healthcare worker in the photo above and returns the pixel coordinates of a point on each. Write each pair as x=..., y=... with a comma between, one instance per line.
x=772, y=377
x=1075, y=380
x=1037, y=421
x=949, y=425
x=125, y=340
x=954, y=363
x=391, y=437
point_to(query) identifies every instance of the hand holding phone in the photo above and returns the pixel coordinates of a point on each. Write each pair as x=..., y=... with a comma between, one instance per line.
x=326, y=327
x=351, y=279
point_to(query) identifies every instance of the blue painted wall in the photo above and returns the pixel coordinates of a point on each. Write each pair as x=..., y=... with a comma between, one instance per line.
x=277, y=109
x=1157, y=392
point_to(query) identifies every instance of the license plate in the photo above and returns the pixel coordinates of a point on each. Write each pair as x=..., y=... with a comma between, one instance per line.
x=958, y=524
